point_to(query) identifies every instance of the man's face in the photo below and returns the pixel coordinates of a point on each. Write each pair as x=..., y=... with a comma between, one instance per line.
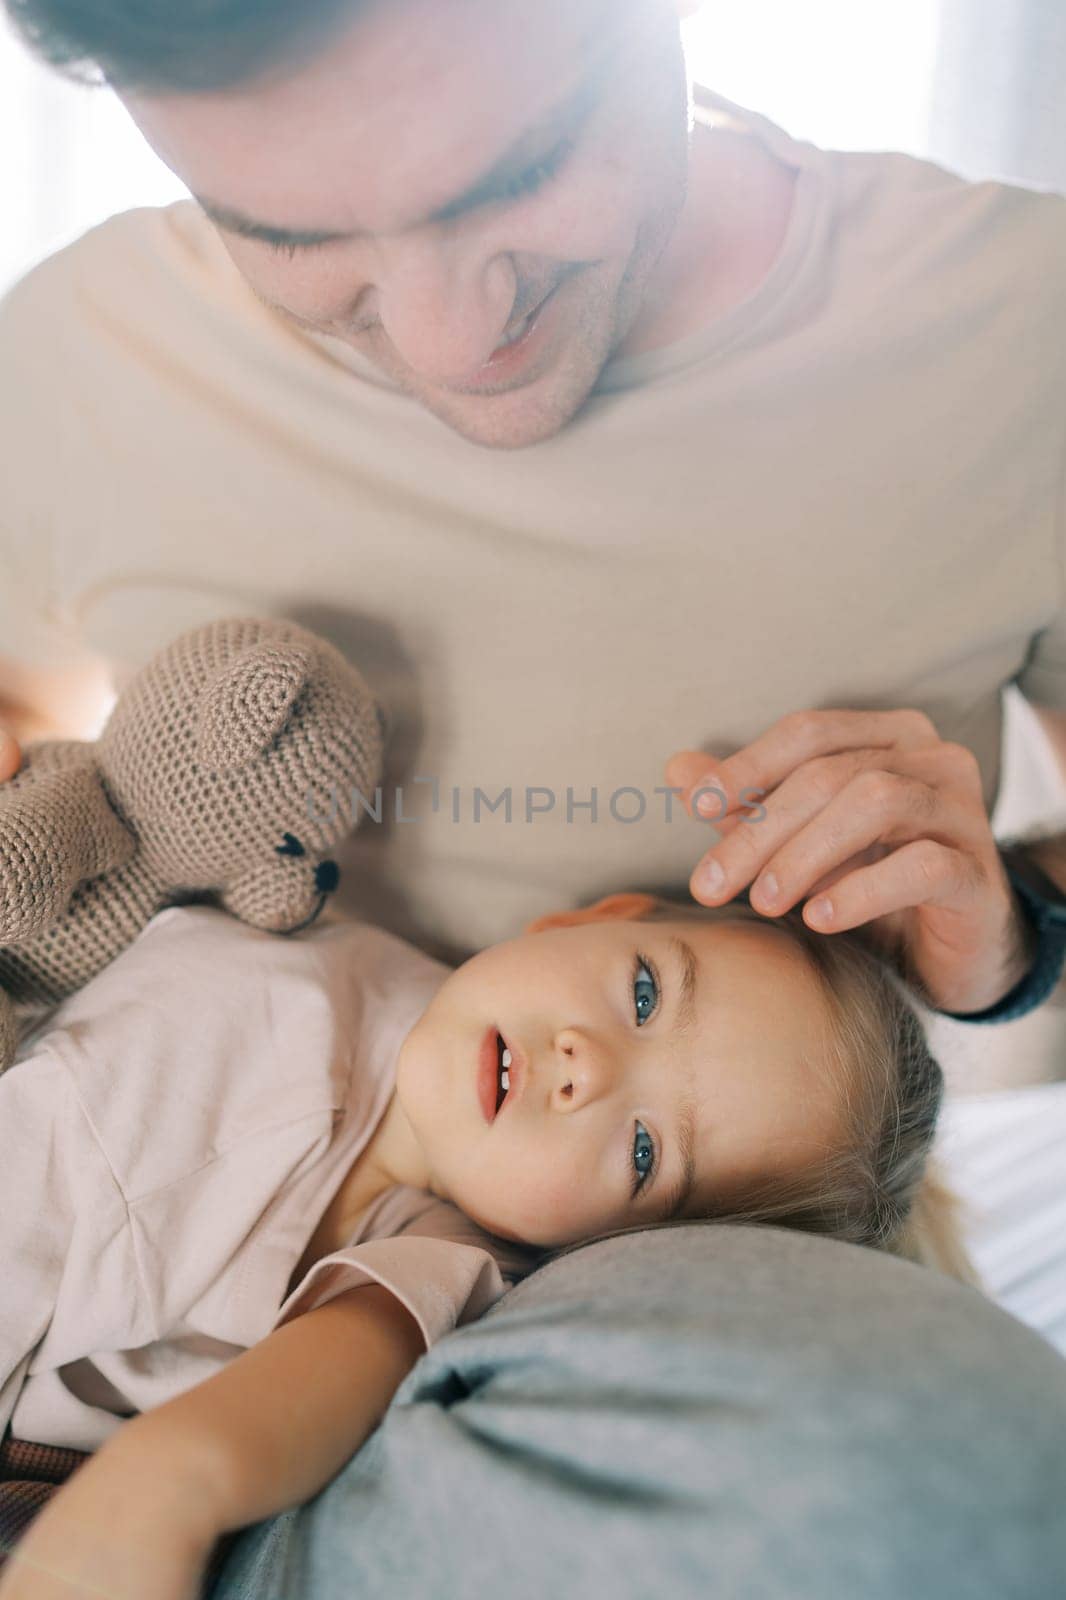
x=444, y=165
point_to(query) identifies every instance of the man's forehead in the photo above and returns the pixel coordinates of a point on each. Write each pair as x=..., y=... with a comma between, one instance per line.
x=563, y=120
x=416, y=99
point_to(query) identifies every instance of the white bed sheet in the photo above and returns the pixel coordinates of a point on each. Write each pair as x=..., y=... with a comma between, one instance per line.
x=1005, y=1155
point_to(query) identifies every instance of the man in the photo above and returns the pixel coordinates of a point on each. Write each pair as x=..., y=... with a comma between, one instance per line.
x=592, y=425
x=779, y=429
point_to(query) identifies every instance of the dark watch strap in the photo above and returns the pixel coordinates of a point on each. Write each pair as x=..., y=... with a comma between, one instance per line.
x=1045, y=905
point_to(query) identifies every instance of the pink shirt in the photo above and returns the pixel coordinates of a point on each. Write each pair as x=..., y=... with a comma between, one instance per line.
x=169, y=1138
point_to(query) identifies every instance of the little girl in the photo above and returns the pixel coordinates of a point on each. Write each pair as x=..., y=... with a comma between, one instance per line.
x=246, y=1181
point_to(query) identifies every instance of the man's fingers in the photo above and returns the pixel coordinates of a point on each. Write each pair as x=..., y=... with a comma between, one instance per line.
x=10, y=755
x=686, y=766
x=691, y=771
x=758, y=768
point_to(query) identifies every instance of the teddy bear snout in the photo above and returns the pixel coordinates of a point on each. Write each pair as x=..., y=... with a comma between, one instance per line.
x=327, y=876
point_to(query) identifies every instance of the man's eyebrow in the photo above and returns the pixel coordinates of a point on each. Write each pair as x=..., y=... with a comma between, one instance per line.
x=688, y=967
x=566, y=119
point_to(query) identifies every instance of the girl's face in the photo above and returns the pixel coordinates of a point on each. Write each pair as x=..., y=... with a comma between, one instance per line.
x=633, y=1043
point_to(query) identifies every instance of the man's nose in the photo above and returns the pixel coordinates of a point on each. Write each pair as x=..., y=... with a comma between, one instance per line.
x=443, y=304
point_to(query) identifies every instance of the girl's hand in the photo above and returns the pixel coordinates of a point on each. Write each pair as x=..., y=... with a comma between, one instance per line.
x=139, y=1520
x=875, y=806
x=125, y=1526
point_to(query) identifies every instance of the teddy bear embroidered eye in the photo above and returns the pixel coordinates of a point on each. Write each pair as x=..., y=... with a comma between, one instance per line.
x=226, y=774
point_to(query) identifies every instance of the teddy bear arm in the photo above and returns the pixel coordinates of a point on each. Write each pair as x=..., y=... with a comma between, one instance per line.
x=53, y=836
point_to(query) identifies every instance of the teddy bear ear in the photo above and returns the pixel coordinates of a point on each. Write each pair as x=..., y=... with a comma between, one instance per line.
x=249, y=703
x=626, y=907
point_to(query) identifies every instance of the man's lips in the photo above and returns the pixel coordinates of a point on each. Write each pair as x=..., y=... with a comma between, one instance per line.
x=535, y=305
x=510, y=361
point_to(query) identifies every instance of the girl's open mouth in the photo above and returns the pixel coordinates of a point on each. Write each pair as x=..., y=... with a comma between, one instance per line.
x=504, y=1077
x=494, y=1074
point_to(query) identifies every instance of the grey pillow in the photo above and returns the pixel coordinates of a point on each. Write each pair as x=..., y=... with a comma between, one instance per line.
x=694, y=1413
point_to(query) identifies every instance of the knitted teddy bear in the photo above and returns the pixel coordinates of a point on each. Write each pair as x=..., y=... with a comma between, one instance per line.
x=225, y=774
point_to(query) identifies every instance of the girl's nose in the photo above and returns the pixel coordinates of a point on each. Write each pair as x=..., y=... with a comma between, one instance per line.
x=444, y=307
x=585, y=1067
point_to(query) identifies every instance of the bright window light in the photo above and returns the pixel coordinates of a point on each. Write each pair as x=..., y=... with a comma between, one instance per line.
x=69, y=157
x=843, y=75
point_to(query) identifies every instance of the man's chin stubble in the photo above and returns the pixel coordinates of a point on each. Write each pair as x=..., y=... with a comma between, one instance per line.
x=522, y=416
x=542, y=409
x=598, y=344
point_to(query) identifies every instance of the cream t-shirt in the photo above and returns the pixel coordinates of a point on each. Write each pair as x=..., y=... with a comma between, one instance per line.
x=845, y=491
x=169, y=1138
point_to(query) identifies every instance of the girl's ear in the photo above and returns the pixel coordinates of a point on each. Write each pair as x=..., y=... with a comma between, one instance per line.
x=616, y=907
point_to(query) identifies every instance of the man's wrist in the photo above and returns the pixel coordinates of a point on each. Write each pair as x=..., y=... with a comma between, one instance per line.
x=1024, y=947
x=1047, y=854
x=1038, y=949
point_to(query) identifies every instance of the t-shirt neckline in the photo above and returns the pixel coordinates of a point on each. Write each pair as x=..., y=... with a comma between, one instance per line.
x=809, y=207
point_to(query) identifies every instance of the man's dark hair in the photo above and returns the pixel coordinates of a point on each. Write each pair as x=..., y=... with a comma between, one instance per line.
x=174, y=45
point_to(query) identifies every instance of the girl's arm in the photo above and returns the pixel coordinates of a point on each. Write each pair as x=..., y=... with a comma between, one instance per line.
x=140, y=1518
x=277, y=1423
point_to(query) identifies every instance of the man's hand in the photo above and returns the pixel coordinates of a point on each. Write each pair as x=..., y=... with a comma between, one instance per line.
x=875, y=806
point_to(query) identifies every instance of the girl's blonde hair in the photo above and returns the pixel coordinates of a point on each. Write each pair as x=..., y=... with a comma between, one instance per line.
x=879, y=1187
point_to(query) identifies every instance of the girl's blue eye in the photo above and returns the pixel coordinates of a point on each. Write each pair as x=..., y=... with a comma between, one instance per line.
x=645, y=983
x=643, y=1150
x=643, y=1143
